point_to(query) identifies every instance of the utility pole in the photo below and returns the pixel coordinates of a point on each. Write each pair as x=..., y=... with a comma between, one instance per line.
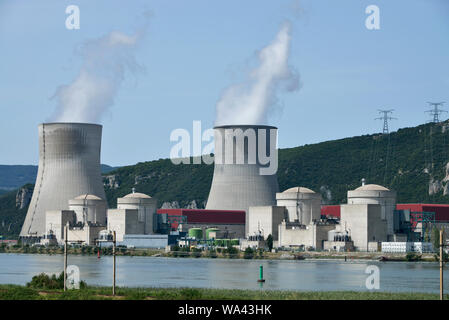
x=385, y=118
x=66, y=240
x=435, y=112
x=114, y=239
x=441, y=264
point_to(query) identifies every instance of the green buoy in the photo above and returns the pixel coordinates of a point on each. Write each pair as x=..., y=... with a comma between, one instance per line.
x=261, y=279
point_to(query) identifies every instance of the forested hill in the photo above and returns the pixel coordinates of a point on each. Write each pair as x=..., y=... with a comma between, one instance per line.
x=412, y=161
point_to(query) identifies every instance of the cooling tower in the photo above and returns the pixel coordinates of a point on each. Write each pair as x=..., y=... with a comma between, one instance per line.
x=69, y=166
x=242, y=177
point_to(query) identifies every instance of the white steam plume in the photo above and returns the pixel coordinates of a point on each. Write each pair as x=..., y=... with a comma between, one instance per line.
x=252, y=101
x=92, y=92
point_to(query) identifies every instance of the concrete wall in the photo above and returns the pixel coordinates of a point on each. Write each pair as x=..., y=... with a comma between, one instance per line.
x=387, y=200
x=146, y=210
x=124, y=221
x=312, y=235
x=56, y=220
x=265, y=218
x=364, y=223
x=86, y=235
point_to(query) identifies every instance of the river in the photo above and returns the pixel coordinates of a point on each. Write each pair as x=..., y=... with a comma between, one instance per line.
x=305, y=275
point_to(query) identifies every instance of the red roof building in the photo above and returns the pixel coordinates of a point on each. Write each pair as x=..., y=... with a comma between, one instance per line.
x=203, y=216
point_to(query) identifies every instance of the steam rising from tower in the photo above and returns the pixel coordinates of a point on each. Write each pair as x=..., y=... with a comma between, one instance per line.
x=69, y=166
x=252, y=101
x=92, y=92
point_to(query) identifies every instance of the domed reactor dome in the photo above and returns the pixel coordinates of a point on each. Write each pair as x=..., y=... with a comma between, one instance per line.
x=69, y=166
x=243, y=177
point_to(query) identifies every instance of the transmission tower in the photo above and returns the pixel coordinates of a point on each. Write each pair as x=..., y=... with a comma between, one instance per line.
x=385, y=118
x=436, y=111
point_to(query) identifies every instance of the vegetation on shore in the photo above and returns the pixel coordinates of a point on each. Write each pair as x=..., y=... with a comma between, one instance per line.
x=226, y=253
x=15, y=292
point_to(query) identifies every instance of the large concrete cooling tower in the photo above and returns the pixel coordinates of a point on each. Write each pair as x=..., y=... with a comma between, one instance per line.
x=69, y=166
x=242, y=177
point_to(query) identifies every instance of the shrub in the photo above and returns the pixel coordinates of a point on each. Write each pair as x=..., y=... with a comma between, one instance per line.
x=211, y=253
x=44, y=281
x=196, y=252
x=411, y=256
x=231, y=252
x=249, y=253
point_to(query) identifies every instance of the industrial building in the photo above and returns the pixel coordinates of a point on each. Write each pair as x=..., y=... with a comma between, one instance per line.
x=295, y=221
x=85, y=218
x=134, y=215
x=69, y=166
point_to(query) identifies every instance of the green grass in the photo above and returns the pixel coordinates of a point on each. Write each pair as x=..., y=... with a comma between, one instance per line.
x=14, y=292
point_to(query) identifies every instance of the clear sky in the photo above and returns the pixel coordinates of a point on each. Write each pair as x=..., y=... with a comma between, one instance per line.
x=193, y=50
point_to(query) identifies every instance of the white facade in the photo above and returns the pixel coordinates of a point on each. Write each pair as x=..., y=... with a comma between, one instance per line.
x=264, y=220
x=134, y=215
x=313, y=235
x=144, y=204
x=56, y=220
x=375, y=194
x=303, y=205
x=124, y=221
x=364, y=224
x=403, y=247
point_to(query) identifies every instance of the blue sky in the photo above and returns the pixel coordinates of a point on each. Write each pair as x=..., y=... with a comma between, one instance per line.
x=194, y=50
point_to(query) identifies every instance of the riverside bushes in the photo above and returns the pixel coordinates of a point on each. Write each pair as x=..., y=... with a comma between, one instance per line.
x=44, y=281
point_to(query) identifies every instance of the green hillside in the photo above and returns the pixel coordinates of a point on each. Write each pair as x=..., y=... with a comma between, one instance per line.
x=411, y=161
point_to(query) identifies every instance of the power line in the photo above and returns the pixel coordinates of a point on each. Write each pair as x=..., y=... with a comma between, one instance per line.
x=385, y=118
x=436, y=111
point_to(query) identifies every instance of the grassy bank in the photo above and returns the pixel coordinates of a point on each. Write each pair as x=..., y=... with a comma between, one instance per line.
x=14, y=292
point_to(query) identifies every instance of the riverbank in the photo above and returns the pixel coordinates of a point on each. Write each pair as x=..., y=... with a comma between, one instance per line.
x=14, y=292
x=225, y=254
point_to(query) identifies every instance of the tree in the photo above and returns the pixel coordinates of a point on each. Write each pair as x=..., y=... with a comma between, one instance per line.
x=270, y=242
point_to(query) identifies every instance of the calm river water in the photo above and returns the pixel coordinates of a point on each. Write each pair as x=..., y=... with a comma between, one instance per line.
x=227, y=273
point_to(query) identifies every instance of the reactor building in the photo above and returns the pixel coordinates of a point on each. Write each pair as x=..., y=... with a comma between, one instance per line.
x=69, y=167
x=243, y=168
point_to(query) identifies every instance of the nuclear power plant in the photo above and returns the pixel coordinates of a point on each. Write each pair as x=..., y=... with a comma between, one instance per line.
x=69, y=166
x=244, y=207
